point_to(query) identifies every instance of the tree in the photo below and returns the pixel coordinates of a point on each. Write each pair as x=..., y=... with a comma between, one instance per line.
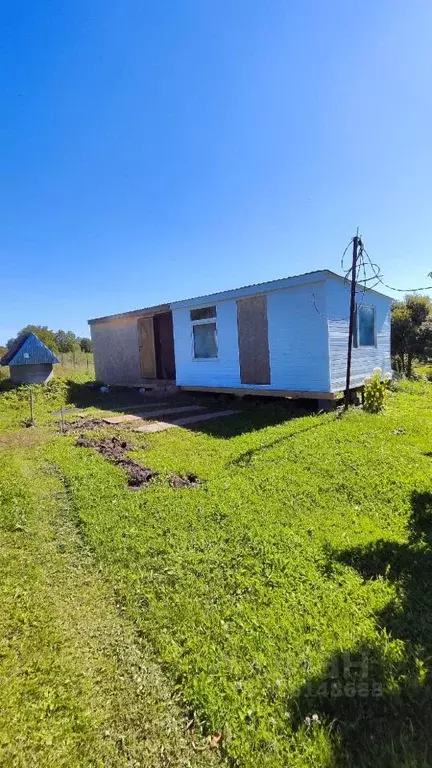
x=424, y=341
x=66, y=341
x=411, y=333
x=86, y=344
x=42, y=332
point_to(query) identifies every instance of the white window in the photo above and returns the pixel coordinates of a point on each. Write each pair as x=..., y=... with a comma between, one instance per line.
x=204, y=336
x=365, y=327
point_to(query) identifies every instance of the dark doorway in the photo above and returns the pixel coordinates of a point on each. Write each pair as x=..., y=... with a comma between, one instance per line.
x=164, y=346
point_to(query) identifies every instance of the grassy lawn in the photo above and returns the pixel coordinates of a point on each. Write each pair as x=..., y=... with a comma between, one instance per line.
x=423, y=369
x=283, y=607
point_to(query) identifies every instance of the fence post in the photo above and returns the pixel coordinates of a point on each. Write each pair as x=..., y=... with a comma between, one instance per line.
x=31, y=409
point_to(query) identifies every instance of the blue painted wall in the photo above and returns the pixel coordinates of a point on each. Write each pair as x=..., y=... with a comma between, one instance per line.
x=364, y=359
x=298, y=342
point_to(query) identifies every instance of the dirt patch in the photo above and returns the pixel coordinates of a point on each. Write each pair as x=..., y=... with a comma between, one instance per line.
x=184, y=481
x=22, y=439
x=114, y=450
x=83, y=424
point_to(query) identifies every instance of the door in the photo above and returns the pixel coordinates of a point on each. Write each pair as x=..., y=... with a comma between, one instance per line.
x=146, y=343
x=164, y=346
x=252, y=328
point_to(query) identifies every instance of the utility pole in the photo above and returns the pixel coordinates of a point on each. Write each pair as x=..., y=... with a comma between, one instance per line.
x=352, y=315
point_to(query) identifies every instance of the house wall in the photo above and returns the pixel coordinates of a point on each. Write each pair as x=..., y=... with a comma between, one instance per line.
x=298, y=342
x=364, y=359
x=116, y=351
x=31, y=374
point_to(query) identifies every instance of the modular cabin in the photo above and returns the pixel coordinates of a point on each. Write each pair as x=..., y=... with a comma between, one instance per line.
x=30, y=361
x=286, y=337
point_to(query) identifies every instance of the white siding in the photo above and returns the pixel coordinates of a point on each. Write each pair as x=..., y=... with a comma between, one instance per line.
x=298, y=343
x=364, y=359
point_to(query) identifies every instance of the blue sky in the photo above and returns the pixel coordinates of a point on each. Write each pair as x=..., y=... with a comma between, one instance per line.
x=152, y=151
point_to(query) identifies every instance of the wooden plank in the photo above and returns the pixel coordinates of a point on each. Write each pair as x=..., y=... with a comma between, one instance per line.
x=129, y=417
x=146, y=345
x=135, y=407
x=252, y=329
x=161, y=426
x=157, y=426
x=292, y=394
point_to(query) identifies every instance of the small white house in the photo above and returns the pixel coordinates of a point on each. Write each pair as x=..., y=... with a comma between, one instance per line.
x=287, y=337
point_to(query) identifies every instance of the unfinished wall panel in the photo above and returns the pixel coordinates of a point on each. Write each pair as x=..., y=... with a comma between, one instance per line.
x=115, y=349
x=252, y=327
x=146, y=342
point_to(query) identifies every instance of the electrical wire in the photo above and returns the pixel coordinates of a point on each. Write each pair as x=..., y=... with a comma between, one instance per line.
x=378, y=276
x=365, y=266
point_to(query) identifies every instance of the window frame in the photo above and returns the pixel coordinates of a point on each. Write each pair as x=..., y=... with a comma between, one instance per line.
x=204, y=321
x=356, y=335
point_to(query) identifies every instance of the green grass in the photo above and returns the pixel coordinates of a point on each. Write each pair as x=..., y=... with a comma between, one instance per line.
x=78, y=687
x=310, y=539
x=423, y=369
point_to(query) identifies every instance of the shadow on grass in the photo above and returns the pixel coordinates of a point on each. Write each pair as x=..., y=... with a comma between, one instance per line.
x=378, y=697
x=254, y=413
x=245, y=458
x=89, y=395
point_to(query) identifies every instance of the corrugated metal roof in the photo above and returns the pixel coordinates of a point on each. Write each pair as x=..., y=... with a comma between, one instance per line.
x=270, y=285
x=29, y=351
x=156, y=309
x=254, y=288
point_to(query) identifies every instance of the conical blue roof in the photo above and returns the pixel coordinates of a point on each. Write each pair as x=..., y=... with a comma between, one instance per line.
x=29, y=351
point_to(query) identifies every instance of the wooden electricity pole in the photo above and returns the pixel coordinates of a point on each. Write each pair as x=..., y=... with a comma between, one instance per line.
x=352, y=316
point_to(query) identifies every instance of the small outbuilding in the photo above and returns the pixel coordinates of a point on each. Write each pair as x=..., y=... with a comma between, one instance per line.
x=30, y=361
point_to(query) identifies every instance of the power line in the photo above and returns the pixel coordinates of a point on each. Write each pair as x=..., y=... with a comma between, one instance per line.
x=375, y=268
x=364, y=281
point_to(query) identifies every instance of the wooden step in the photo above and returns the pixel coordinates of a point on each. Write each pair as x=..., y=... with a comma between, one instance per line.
x=161, y=426
x=138, y=407
x=127, y=418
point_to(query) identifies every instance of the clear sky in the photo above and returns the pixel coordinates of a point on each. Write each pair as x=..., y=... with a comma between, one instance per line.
x=155, y=150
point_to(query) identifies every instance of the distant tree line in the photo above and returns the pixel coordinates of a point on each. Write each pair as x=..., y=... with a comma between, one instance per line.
x=57, y=341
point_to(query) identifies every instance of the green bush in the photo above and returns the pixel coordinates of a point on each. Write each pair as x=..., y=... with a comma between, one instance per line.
x=375, y=391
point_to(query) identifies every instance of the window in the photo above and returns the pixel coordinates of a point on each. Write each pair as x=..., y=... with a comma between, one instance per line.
x=204, y=333
x=204, y=313
x=364, y=334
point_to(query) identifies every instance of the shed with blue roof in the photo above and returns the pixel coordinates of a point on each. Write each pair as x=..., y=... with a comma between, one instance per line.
x=30, y=361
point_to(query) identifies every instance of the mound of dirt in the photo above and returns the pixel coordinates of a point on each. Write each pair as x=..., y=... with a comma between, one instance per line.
x=83, y=424
x=184, y=481
x=114, y=450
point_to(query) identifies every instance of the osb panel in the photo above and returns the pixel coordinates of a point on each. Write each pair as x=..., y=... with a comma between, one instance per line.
x=146, y=343
x=116, y=354
x=252, y=326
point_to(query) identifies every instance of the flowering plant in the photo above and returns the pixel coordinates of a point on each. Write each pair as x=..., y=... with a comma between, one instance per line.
x=375, y=391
